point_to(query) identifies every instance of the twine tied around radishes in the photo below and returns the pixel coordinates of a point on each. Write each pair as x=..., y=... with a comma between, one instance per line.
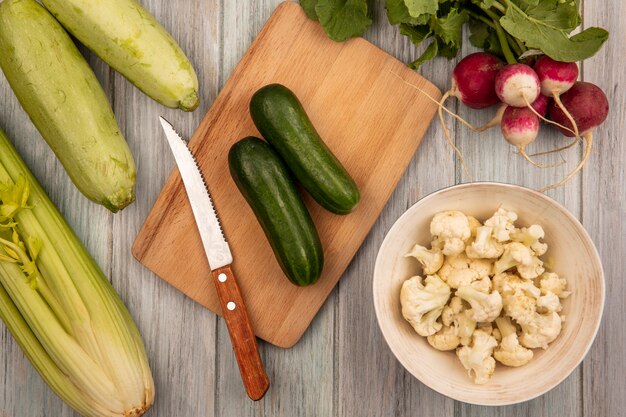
x=549, y=91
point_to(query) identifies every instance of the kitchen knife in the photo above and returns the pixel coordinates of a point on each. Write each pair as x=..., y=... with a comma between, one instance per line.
x=220, y=259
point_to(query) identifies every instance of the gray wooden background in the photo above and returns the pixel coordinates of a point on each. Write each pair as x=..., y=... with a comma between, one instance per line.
x=342, y=366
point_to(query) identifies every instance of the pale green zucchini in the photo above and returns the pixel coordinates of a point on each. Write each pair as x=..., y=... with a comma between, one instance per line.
x=63, y=98
x=128, y=38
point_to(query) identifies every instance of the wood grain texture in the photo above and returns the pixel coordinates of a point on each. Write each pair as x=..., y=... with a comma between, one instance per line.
x=240, y=24
x=372, y=122
x=180, y=336
x=341, y=366
x=604, y=215
x=396, y=392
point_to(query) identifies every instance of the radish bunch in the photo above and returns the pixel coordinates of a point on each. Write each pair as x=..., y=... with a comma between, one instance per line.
x=527, y=94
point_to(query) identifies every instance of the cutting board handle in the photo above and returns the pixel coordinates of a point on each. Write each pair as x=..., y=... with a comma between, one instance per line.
x=241, y=334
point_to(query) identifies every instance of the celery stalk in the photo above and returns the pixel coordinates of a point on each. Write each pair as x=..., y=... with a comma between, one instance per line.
x=60, y=307
x=39, y=358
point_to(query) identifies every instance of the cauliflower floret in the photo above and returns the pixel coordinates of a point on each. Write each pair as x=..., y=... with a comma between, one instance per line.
x=500, y=281
x=506, y=283
x=482, y=285
x=485, y=327
x=456, y=271
x=514, y=253
x=444, y=339
x=503, y=223
x=431, y=260
x=510, y=352
x=485, y=307
x=497, y=335
x=478, y=359
x=530, y=236
x=541, y=331
x=551, y=282
x=498, y=276
x=520, y=306
x=455, y=314
x=484, y=267
x=484, y=245
x=520, y=256
x=474, y=225
x=532, y=270
x=465, y=327
x=422, y=304
x=549, y=303
x=452, y=229
x=459, y=270
x=437, y=243
x=450, y=311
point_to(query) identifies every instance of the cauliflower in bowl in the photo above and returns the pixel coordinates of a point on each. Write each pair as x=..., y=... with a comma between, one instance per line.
x=487, y=294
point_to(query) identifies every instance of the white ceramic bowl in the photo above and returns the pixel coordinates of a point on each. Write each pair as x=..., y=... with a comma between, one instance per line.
x=572, y=254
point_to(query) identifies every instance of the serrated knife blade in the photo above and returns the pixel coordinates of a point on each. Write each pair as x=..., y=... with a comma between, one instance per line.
x=220, y=259
x=215, y=245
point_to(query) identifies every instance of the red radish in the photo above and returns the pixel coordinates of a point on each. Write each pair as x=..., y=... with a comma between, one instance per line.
x=517, y=85
x=520, y=127
x=473, y=80
x=555, y=77
x=587, y=104
x=588, y=107
x=541, y=104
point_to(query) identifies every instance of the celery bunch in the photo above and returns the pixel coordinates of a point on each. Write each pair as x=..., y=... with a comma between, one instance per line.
x=60, y=308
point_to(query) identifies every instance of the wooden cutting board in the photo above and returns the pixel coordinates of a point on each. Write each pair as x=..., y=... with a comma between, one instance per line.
x=369, y=118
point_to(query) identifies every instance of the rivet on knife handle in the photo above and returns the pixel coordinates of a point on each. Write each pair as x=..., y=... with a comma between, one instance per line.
x=241, y=335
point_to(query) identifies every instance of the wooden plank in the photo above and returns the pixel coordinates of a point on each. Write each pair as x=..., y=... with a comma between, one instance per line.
x=179, y=335
x=604, y=215
x=23, y=391
x=239, y=26
x=369, y=378
x=374, y=111
x=490, y=158
x=310, y=362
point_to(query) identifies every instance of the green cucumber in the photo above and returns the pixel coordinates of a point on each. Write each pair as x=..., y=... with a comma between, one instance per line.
x=264, y=181
x=128, y=38
x=279, y=116
x=65, y=101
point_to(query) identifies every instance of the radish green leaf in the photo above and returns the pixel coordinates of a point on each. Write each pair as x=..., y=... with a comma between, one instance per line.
x=309, y=8
x=419, y=7
x=343, y=19
x=551, y=35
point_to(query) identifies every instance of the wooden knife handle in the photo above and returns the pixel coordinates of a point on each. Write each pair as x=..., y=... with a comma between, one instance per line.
x=241, y=334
